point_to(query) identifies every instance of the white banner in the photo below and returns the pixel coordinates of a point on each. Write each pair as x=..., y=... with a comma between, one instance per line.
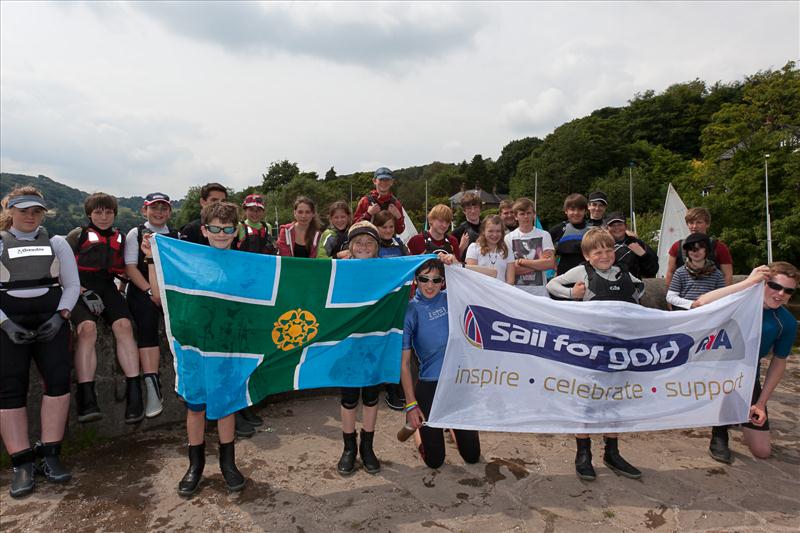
x=517, y=362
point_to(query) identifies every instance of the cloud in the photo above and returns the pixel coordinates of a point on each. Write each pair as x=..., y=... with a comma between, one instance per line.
x=549, y=108
x=371, y=35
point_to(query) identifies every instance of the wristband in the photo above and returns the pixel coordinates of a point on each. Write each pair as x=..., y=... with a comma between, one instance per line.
x=411, y=406
x=148, y=261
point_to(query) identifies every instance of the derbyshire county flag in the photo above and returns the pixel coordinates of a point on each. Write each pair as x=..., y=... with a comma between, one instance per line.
x=243, y=325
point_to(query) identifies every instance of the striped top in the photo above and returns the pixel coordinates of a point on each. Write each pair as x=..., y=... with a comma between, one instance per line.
x=688, y=288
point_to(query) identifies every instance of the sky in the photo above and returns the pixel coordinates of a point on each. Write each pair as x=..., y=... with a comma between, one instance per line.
x=135, y=97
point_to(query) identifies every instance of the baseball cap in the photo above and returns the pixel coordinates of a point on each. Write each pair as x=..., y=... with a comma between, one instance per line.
x=253, y=200
x=383, y=173
x=27, y=200
x=154, y=197
x=363, y=228
x=695, y=238
x=598, y=196
x=616, y=216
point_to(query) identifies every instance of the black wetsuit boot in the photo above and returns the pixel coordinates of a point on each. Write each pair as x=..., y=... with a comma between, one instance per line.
x=23, y=481
x=197, y=462
x=583, y=460
x=613, y=460
x=227, y=465
x=86, y=402
x=347, y=462
x=368, y=458
x=50, y=465
x=134, y=408
x=718, y=448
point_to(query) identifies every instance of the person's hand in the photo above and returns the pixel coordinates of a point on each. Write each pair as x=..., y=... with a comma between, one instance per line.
x=759, y=274
x=464, y=242
x=17, y=333
x=93, y=302
x=395, y=212
x=415, y=418
x=47, y=331
x=579, y=291
x=758, y=415
x=695, y=304
x=636, y=248
x=447, y=259
x=373, y=209
x=155, y=297
x=344, y=254
x=146, y=246
x=518, y=262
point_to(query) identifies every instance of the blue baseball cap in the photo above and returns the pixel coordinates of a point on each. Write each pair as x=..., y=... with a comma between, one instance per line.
x=383, y=173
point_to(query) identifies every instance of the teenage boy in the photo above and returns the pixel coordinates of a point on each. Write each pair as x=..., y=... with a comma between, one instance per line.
x=600, y=279
x=698, y=220
x=567, y=235
x=435, y=240
x=507, y=214
x=99, y=251
x=630, y=252
x=145, y=304
x=210, y=193
x=468, y=231
x=218, y=224
x=381, y=199
x=532, y=250
x=598, y=202
x=254, y=232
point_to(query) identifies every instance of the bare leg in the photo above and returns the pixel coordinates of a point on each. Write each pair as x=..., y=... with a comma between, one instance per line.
x=759, y=442
x=14, y=429
x=226, y=428
x=85, y=355
x=127, y=353
x=195, y=427
x=370, y=416
x=349, y=420
x=149, y=358
x=54, y=417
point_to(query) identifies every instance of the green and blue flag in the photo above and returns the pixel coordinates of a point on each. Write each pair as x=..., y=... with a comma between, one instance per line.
x=242, y=326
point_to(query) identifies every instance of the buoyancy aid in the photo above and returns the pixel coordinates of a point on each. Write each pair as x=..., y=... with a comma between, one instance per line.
x=101, y=252
x=28, y=264
x=391, y=248
x=257, y=240
x=432, y=248
x=620, y=289
x=141, y=231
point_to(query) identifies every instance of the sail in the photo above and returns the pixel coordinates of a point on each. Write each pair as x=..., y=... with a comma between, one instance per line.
x=673, y=228
x=410, y=230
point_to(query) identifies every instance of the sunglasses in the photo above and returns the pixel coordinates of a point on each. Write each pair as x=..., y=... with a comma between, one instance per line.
x=227, y=230
x=778, y=287
x=426, y=279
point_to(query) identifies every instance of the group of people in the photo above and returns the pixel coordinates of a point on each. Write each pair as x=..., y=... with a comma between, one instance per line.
x=46, y=282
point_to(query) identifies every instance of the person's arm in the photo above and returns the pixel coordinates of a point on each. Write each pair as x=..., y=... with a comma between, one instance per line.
x=511, y=273
x=546, y=262
x=758, y=275
x=67, y=275
x=414, y=417
x=777, y=366
x=152, y=276
x=727, y=273
x=399, y=219
x=558, y=285
x=672, y=264
x=648, y=259
x=674, y=299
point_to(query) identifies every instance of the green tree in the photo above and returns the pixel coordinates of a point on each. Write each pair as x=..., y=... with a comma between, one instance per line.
x=279, y=173
x=330, y=174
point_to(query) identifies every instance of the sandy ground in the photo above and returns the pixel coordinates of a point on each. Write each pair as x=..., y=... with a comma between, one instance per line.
x=523, y=482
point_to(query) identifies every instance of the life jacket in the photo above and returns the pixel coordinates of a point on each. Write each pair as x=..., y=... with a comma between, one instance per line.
x=433, y=248
x=334, y=242
x=257, y=240
x=392, y=248
x=98, y=253
x=141, y=230
x=682, y=257
x=28, y=264
x=621, y=289
x=570, y=241
x=373, y=199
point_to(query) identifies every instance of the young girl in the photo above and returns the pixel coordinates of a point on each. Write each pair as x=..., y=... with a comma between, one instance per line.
x=490, y=250
x=391, y=245
x=698, y=276
x=363, y=244
x=39, y=288
x=333, y=242
x=300, y=238
x=219, y=221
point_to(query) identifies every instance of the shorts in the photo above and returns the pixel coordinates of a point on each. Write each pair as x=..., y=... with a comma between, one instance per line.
x=146, y=316
x=116, y=306
x=753, y=400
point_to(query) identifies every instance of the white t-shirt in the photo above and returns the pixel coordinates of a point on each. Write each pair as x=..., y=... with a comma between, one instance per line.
x=529, y=245
x=491, y=260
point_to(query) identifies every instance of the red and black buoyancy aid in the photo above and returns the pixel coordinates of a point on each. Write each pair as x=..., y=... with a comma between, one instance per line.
x=101, y=251
x=257, y=241
x=432, y=248
x=373, y=198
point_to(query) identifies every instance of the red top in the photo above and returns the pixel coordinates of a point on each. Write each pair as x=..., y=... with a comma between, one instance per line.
x=384, y=201
x=721, y=252
x=287, y=239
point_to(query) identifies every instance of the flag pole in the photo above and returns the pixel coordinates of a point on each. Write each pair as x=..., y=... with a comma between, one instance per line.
x=630, y=179
x=277, y=227
x=425, y=224
x=536, y=190
x=769, y=224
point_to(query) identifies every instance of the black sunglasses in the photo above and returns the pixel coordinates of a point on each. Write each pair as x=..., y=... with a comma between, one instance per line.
x=227, y=230
x=778, y=287
x=426, y=279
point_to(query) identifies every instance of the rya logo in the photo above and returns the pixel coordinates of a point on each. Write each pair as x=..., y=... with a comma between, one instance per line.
x=714, y=341
x=471, y=329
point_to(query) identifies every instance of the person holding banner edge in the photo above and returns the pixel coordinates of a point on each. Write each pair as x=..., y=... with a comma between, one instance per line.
x=778, y=331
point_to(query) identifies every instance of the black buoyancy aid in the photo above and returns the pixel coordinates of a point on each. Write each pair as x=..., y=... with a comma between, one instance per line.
x=374, y=199
x=257, y=241
x=621, y=289
x=682, y=257
x=141, y=231
x=391, y=248
x=433, y=248
x=28, y=264
x=98, y=253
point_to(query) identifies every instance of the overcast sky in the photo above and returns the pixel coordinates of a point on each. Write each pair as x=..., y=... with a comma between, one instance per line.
x=130, y=98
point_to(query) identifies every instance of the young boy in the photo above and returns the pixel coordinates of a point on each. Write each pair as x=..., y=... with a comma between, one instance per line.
x=435, y=240
x=532, y=250
x=254, y=232
x=698, y=220
x=219, y=221
x=381, y=199
x=601, y=279
x=598, y=203
x=145, y=304
x=210, y=193
x=507, y=214
x=99, y=252
x=467, y=232
x=568, y=234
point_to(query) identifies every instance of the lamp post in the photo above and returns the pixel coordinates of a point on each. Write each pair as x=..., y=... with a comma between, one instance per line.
x=769, y=224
